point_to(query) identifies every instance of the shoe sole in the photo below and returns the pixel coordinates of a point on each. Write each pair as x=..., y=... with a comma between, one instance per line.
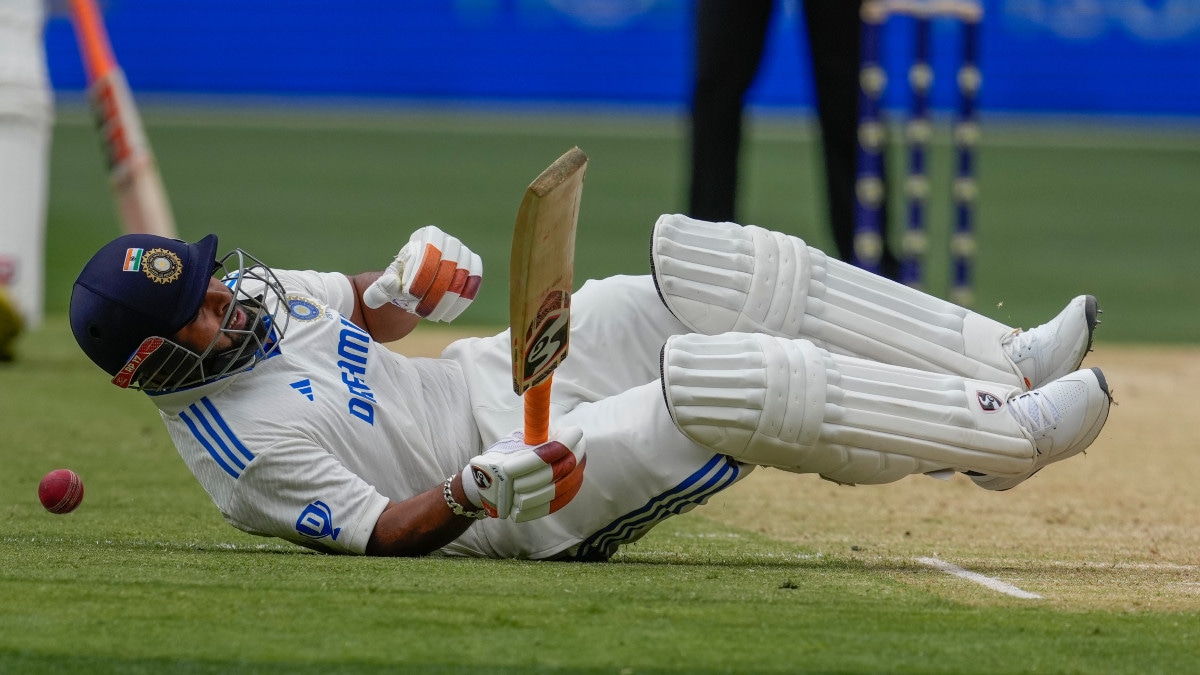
x=1091, y=314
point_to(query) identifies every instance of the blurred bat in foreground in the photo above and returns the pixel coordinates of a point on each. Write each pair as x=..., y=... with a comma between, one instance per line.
x=132, y=171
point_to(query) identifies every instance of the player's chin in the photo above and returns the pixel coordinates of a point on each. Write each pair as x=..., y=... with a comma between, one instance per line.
x=228, y=340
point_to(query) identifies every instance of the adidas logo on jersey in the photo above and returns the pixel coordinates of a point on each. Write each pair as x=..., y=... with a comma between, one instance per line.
x=304, y=387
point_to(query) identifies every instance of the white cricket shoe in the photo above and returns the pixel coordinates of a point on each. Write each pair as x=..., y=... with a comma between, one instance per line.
x=1057, y=347
x=1062, y=419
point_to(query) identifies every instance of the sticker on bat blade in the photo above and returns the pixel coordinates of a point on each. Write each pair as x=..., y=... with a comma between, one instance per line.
x=547, y=337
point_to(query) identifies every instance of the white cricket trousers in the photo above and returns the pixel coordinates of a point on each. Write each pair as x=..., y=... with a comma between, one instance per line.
x=640, y=468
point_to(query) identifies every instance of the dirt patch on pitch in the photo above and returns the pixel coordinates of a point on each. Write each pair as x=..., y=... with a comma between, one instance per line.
x=1116, y=528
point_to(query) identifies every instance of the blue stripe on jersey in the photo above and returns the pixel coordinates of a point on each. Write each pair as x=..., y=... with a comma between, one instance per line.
x=207, y=446
x=719, y=473
x=237, y=443
x=211, y=431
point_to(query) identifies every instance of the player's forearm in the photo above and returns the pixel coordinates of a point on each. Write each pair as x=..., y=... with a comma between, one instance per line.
x=419, y=525
x=385, y=324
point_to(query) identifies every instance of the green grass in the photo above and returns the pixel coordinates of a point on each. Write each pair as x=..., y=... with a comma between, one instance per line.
x=146, y=578
x=127, y=606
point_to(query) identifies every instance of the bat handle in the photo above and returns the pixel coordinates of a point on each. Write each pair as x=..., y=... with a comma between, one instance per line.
x=97, y=53
x=537, y=412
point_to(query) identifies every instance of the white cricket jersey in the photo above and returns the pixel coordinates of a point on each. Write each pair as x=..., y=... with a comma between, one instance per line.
x=310, y=444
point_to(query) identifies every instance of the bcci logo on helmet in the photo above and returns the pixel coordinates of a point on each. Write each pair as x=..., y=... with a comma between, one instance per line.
x=161, y=265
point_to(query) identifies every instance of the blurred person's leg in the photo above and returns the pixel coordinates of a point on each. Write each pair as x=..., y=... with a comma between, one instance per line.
x=730, y=35
x=835, y=37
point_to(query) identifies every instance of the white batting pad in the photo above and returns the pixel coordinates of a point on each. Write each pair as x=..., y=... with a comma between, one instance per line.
x=747, y=395
x=794, y=406
x=720, y=277
x=923, y=422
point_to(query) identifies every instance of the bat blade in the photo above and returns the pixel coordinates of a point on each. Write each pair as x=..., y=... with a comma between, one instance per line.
x=132, y=170
x=542, y=272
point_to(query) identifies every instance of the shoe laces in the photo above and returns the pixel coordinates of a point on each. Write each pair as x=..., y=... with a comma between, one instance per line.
x=1034, y=411
x=1019, y=342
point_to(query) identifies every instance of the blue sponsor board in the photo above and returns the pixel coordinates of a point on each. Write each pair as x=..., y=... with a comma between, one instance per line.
x=1073, y=56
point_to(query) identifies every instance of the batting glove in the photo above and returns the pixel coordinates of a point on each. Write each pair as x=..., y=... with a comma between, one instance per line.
x=434, y=276
x=525, y=482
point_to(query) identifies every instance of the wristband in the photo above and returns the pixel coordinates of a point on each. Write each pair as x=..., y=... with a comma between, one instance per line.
x=456, y=508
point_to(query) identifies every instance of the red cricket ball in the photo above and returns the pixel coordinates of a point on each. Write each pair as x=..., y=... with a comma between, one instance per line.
x=60, y=491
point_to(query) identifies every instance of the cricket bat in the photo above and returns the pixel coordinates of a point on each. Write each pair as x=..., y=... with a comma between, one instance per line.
x=541, y=273
x=132, y=171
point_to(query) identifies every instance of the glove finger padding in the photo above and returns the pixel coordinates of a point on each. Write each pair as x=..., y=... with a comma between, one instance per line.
x=527, y=482
x=532, y=503
x=494, y=474
x=431, y=276
x=434, y=276
x=552, y=486
x=462, y=289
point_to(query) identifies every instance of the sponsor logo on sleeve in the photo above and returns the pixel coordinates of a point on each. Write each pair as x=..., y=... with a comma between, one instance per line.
x=316, y=522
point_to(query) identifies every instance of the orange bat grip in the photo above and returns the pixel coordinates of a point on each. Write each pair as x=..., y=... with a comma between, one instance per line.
x=537, y=412
x=93, y=39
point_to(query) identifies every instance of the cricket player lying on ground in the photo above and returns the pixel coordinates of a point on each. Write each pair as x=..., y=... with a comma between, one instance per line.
x=744, y=348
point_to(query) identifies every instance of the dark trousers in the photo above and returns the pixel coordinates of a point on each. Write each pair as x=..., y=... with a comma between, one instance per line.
x=730, y=37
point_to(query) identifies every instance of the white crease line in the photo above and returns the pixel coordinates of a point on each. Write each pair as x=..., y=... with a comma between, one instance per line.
x=1152, y=567
x=989, y=582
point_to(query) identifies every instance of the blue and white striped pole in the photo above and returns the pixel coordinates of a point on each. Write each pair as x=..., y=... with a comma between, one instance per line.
x=917, y=134
x=872, y=135
x=966, y=138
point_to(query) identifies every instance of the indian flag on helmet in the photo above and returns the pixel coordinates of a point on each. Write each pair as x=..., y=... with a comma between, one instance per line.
x=133, y=259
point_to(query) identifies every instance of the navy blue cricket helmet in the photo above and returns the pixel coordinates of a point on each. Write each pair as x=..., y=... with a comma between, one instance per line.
x=139, y=290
